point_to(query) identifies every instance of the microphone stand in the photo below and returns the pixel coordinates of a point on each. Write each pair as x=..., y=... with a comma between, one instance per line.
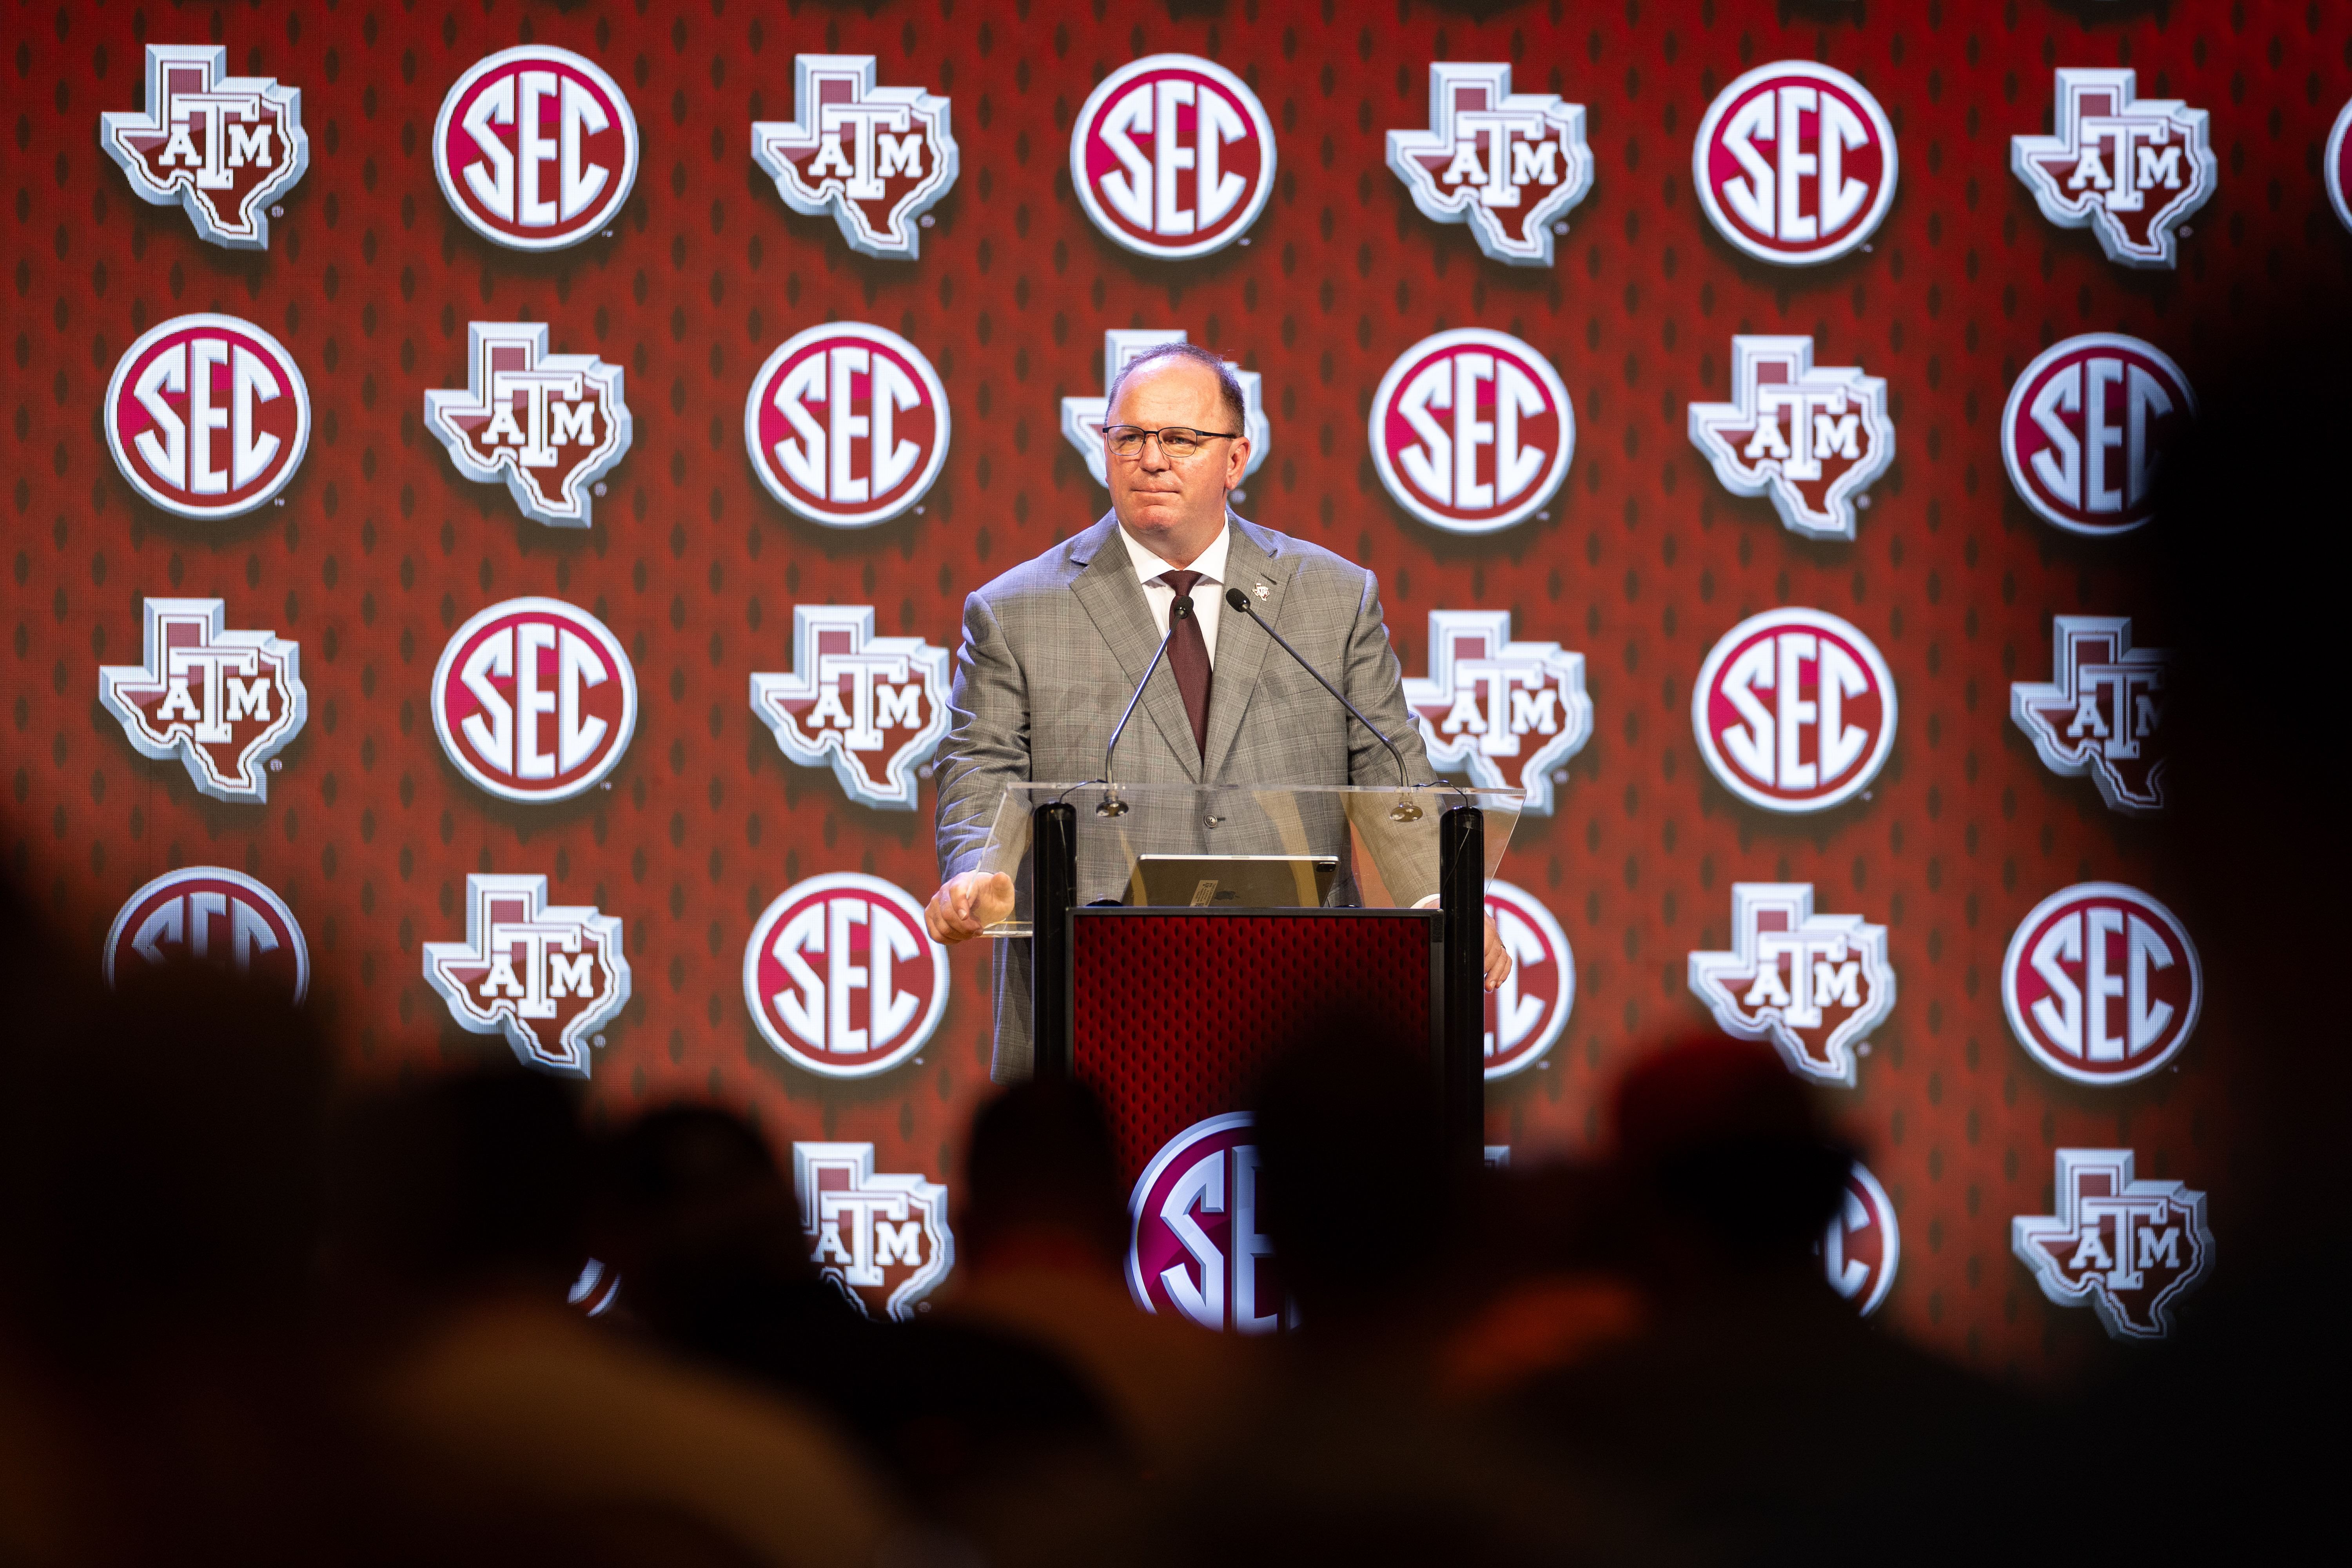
x=1178, y=613
x=1404, y=810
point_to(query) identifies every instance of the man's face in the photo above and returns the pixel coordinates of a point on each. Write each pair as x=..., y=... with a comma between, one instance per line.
x=1174, y=506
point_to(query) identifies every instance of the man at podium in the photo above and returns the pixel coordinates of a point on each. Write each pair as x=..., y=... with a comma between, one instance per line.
x=1053, y=649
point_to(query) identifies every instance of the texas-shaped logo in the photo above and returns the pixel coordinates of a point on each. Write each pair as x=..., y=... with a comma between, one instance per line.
x=2129, y=169
x=1508, y=713
x=1812, y=438
x=2101, y=712
x=550, y=425
x=548, y=977
x=1509, y=165
x=873, y=708
x=881, y=1238
x=1813, y=986
x=877, y=158
x=223, y=147
x=223, y=702
x=2127, y=1248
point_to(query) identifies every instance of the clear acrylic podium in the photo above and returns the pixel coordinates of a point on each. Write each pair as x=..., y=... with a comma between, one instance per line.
x=1168, y=1010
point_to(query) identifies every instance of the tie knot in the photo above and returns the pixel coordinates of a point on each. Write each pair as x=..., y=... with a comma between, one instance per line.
x=1181, y=581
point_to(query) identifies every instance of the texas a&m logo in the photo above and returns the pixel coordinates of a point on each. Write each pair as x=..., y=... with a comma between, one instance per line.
x=2099, y=712
x=1814, y=985
x=1472, y=430
x=2129, y=169
x=2130, y=1248
x=534, y=699
x=223, y=702
x=1172, y=156
x=207, y=415
x=842, y=976
x=1794, y=711
x=877, y=158
x=847, y=425
x=2336, y=168
x=873, y=708
x=2101, y=983
x=225, y=147
x=882, y=1240
x=1509, y=165
x=535, y=148
x=549, y=977
x=2085, y=426
x=1194, y=1246
x=209, y=914
x=1811, y=436
x=1527, y=1012
x=1827, y=178
x=1862, y=1244
x=1508, y=713
x=1082, y=417
x=550, y=425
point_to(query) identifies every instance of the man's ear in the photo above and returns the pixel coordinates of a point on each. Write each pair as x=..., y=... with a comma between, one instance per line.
x=1236, y=463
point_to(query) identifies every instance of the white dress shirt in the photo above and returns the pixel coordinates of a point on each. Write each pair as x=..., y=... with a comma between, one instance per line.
x=1208, y=593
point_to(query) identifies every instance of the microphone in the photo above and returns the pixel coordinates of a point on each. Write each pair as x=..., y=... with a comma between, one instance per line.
x=1178, y=613
x=1239, y=601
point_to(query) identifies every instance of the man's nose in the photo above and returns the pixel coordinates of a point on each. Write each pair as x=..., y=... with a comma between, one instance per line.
x=1154, y=457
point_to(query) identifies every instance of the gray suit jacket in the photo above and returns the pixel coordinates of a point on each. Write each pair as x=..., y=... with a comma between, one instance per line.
x=1053, y=650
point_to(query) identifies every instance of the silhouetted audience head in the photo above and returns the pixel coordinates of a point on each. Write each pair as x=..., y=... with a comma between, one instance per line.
x=461, y=1185
x=1353, y=1161
x=159, y=1153
x=1722, y=1144
x=690, y=1208
x=1042, y=1166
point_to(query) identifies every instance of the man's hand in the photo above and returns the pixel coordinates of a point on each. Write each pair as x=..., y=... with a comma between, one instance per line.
x=1498, y=959
x=965, y=905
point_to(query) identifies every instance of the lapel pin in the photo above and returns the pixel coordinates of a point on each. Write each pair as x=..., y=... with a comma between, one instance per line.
x=1262, y=590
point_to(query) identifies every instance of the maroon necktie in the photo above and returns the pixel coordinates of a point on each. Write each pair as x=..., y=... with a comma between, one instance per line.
x=1188, y=656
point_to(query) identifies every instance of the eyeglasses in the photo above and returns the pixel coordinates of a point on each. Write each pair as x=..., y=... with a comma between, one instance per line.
x=1127, y=440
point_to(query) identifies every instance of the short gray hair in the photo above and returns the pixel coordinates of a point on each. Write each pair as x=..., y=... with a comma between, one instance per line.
x=1229, y=385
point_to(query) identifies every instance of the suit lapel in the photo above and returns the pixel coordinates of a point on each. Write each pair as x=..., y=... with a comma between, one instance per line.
x=1241, y=649
x=1111, y=595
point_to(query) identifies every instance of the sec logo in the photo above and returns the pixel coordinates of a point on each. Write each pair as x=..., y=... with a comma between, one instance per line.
x=223, y=148
x=880, y=1239
x=535, y=148
x=1172, y=156
x=1794, y=711
x=1827, y=180
x=207, y=415
x=1527, y=1012
x=2085, y=426
x=548, y=978
x=534, y=700
x=1194, y=1248
x=1472, y=430
x=2101, y=983
x=1862, y=1244
x=2336, y=169
x=209, y=914
x=842, y=977
x=847, y=425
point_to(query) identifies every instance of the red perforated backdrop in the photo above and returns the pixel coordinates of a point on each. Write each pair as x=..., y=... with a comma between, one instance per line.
x=381, y=548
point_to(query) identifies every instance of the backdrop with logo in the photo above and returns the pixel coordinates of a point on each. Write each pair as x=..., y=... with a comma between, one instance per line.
x=507, y=510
